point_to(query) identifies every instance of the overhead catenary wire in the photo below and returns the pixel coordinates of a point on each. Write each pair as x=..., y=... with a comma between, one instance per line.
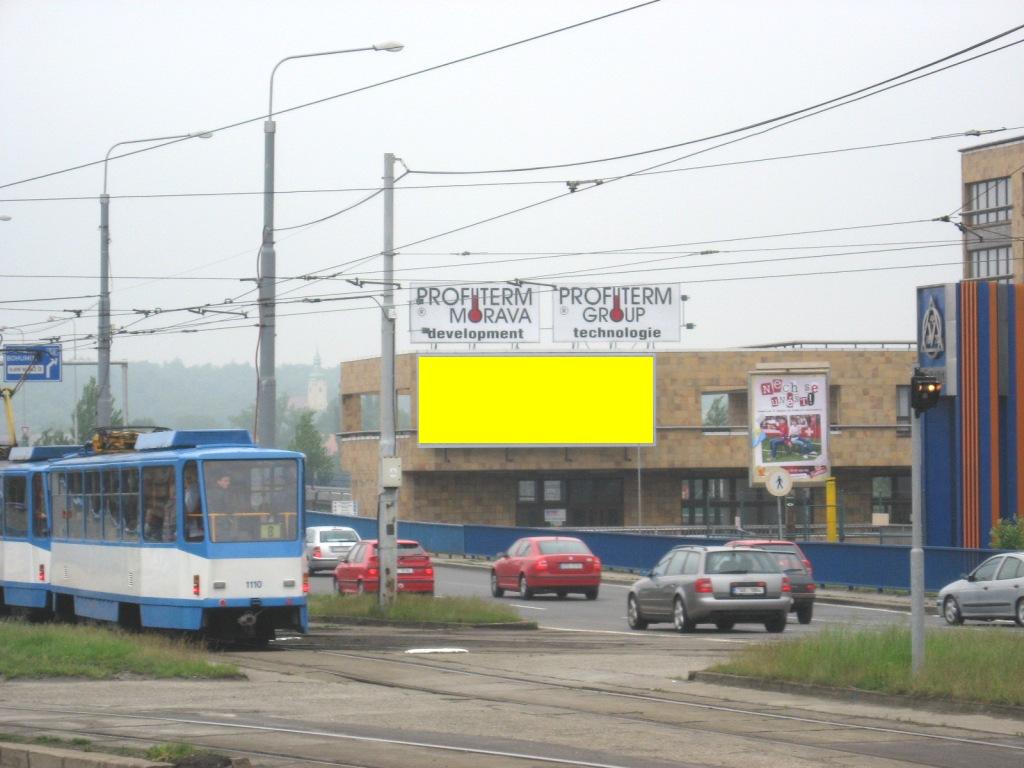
x=408, y=75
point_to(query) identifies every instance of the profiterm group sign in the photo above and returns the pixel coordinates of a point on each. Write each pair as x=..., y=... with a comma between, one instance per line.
x=616, y=313
x=478, y=312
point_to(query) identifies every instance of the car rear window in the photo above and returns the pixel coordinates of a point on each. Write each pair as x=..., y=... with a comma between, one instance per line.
x=789, y=562
x=338, y=536
x=410, y=549
x=783, y=548
x=563, y=547
x=741, y=561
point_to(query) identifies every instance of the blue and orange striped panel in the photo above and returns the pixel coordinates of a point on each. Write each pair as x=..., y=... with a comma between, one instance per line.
x=991, y=450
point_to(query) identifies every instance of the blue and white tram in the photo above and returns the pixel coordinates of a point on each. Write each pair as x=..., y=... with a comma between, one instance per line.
x=25, y=528
x=190, y=530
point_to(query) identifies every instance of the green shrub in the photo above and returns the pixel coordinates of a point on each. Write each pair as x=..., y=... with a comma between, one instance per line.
x=1008, y=534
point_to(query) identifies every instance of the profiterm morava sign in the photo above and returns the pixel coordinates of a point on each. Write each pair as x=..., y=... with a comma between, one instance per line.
x=616, y=313
x=479, y=312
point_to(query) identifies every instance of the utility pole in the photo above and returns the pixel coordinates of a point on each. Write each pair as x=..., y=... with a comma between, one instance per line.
x=925, y=390
x=390, y=471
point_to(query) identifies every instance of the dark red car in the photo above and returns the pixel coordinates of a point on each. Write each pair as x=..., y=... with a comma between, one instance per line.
x=794, y=563
x=359, y=571
x=558, y=564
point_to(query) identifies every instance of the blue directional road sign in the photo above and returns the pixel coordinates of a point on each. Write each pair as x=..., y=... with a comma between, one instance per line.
x=42, y=362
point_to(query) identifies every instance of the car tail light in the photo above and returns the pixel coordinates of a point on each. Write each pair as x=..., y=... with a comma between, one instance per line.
x=428, y=571
x=195, y=585
x=542, y=565
x=811, y=587
x=305, y=583
x=703, y=586
x=787, y=586
x=316, y=552
x=371, y=571
x=42, y=573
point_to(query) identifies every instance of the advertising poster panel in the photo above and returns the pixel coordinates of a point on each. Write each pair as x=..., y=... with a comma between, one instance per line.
x=645, y=313
x=535, y=400
x=789, y=425
x=473, y=313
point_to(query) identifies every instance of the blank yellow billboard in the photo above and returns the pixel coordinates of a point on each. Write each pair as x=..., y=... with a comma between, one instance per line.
x=536, y=400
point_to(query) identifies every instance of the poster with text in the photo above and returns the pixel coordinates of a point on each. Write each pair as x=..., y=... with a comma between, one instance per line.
x=789, y=425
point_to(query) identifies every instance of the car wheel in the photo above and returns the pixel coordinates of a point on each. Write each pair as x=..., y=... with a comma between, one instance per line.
x=682, y=621
x=562, y=594
x=633, y=616
x=337, y=586
x=778, y=624
x=525, y=592
x=1018, y=615
x=804, y=613
x=725, y=625
x=951, y=611
x=591, y=594
x=496, y=591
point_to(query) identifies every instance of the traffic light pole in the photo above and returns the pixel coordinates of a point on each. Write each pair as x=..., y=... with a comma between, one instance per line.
x=916, y=549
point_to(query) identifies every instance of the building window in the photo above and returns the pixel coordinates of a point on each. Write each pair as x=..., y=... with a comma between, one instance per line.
x=554, y=490
x=833, y=408
x=903, y=409
x=527, y=490
x=988, y=202
x=369, y=412
x=990, y=262
x=891, y=499
x=723, y=412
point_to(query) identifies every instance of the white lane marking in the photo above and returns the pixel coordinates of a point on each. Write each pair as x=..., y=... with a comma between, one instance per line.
x=437, y=650
x=640, y=634
x=529, y=607
x=865, y=608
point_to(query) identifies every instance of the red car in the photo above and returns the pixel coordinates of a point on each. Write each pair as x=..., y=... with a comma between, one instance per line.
x=796, y=566
x=359, y=571
x=559, y=564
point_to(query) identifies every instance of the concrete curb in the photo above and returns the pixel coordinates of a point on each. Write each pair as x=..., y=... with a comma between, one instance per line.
x=36, y=756
x=858, y=695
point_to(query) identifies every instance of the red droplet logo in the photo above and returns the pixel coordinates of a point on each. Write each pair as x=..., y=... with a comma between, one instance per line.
x=475, y=315
x=616, y=314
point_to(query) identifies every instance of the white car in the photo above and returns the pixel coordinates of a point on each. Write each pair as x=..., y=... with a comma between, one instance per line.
x=993, y=590
x=326, y=545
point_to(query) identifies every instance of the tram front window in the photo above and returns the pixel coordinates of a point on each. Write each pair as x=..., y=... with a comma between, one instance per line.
x=251, y=500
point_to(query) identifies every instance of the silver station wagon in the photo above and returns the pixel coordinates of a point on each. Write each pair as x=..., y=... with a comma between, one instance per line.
x=723, y=586
x=327, y=545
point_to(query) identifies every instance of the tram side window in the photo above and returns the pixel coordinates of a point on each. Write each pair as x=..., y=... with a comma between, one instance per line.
x=159, y=512
x=130, y=504
x=59, y=502
x=76, y=506
x=15, y=508
x=111, y=504
x=39, y=527
x=91, y=500
x=194, y=528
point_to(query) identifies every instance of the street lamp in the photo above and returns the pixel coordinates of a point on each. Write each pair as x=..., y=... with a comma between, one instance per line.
x=103, y=400
x=266, y=391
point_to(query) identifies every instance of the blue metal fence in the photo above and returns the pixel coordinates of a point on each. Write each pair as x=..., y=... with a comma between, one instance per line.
x=882, y=566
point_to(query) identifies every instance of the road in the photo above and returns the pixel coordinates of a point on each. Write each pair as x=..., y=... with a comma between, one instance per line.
x=608, y=612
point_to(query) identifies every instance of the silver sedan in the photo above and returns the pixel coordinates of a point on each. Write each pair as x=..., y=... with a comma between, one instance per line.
x=723, y=586
x=993, y=590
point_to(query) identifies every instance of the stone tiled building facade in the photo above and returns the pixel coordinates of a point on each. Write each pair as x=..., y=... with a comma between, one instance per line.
x=695, y=475
x=993, y=187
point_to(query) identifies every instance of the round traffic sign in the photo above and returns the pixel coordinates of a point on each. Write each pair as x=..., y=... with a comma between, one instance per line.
x=778, y=482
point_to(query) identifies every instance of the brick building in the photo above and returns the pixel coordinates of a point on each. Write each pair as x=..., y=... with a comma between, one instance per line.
x=992, y=223
x=695, y=475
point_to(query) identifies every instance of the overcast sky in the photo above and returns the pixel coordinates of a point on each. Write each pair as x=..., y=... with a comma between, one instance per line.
x=78, y=76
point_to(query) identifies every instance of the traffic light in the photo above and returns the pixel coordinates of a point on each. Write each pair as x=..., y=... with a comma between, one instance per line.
x=924, y=391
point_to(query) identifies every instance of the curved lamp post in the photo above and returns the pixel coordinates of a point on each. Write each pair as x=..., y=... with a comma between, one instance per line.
x=103, y=399
x=266, y=392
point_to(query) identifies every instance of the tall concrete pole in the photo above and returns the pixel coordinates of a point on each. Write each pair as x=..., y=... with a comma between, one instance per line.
x=104, y=402
x=387, y=505
x=266, y=388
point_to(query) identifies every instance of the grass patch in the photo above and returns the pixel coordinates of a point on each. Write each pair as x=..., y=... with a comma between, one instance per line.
x=32, y=651
x=175, y=753
x=413, y=609
x=982, y=666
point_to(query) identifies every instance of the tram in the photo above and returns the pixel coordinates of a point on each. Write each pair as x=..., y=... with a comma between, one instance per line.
x=193, y=530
